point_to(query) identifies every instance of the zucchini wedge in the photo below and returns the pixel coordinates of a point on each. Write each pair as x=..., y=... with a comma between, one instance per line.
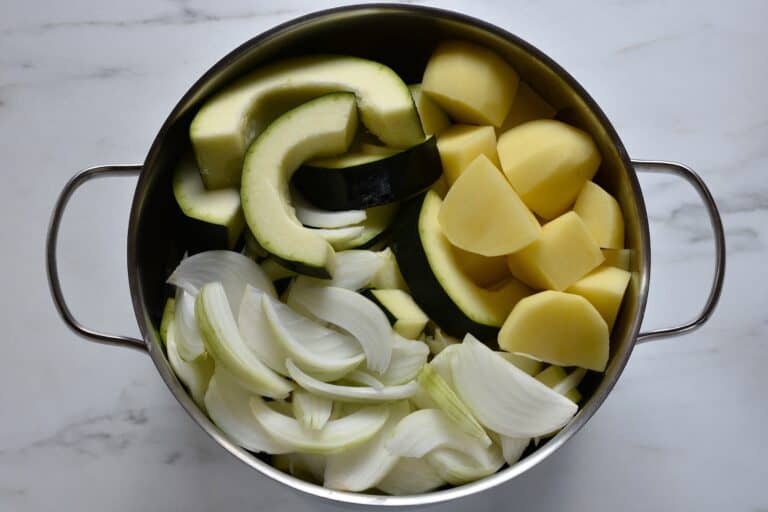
x=405, y=316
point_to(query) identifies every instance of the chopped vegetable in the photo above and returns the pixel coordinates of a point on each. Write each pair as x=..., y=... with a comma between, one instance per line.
x=411, y=476
x=312, y=216
x=188, y=338
x=194, y=375
x=312, y=411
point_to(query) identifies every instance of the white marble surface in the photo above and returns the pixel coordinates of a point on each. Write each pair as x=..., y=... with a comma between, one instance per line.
x=87, y=427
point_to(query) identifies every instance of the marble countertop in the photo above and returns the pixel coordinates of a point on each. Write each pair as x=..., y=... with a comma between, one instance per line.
x=88, y=427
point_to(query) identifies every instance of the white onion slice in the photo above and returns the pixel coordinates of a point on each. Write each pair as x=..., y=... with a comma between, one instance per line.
x=411, y=476
x=354, y=270
x=361, y=394
x=504, y=398
x=513, y=447
x=188, y=338
x=351, y=312
x=337, y=237
x=408, y=357
x=225, y=344
x=196, y=374
x=337, y=435
x=233, y=270
x=364, y=379
x=426, y=430
x=256, y=332
x=312, y=411
x=312, y=216
x=323, y=352
x=228, y=406
x=365, y=465
x=458, y=468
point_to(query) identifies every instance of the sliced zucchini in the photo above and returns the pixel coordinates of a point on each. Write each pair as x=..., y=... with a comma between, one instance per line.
x=448, y=296
x=374, y=183
x=169, y=311
x=227, y=122
x=389, y=275
x=433, y=119
x=404, y=314
x=363, y=154
x=216, y=214
x=324, y=126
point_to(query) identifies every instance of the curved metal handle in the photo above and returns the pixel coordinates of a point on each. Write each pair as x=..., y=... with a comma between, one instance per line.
x=51, y=263
x=685, y=172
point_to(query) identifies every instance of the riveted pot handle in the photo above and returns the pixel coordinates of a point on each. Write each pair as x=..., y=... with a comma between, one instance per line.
x=50, y=252
x=688, y=174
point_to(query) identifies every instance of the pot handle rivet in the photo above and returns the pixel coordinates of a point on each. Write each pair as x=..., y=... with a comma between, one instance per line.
x=688, y=174
x=51, y=263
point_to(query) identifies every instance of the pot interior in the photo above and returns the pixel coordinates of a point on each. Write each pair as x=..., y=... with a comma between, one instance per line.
x=403, y=38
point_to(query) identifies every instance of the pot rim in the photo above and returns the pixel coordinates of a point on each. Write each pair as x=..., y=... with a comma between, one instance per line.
x=150, y=335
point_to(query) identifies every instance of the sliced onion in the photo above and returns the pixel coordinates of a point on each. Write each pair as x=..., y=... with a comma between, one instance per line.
x=233, y=270
x=312, y=411
x=360, y=394
x=225, y=344
x=337, y=237
x=447, y=401
x=364, y=379
x=323, y=352
x=312, y=216
x=340, y=434
x=351, y=312
x=256, y=332
x=426, y=430
x=189, y=340
x=365, y=465
x=458, y=468
x=442, y=363
x=354, y=270
x=513, y=447
x=504, y=398
x=411, y=476
x=228, y=406
x=194, y=375
x=408, y=357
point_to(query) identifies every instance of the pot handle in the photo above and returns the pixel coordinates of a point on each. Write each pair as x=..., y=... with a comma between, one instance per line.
x=685, y=172
x=50, y=252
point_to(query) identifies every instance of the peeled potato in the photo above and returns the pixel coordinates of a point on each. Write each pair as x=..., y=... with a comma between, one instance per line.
x=618, y=258
x=482, y=270
x=563, y=254
x=460, y=144
x=602, y=215
x=527, y=106
x=433, y=120
x=483, y=214
x=557, y=328
x=604, y=288
x=470, y=82
x=548, y=162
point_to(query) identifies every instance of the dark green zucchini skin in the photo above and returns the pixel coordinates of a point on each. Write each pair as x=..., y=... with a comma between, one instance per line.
x=391, y=179
x=425, y=288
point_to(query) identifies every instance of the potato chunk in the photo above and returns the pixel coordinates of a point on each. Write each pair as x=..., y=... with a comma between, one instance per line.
x=604, y=288
x=433, y=120
x=459, y=145
x=527, y=106
x=602, y=215
x=618, y=258
x=470, y=82
x=563, y=254
x=557, y=328
x=482, y=270
x=548, y=162
x=483, y=214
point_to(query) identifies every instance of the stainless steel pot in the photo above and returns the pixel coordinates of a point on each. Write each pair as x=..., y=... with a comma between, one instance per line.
x=155, y=246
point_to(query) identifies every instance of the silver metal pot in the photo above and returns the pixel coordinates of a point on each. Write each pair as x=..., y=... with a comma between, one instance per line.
x=155, y=245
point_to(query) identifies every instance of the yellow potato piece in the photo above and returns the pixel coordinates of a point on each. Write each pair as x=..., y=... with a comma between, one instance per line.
x=604, y=288
x=527, y=106
x=552, y=376
x=618, y=258
x=563, y=254
x=459, y=145
x=484, y=271
x=602, y=215
x=470, y=82
x=433, y=120
x=483, y=214
x=548, y=162
x=558, y=328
